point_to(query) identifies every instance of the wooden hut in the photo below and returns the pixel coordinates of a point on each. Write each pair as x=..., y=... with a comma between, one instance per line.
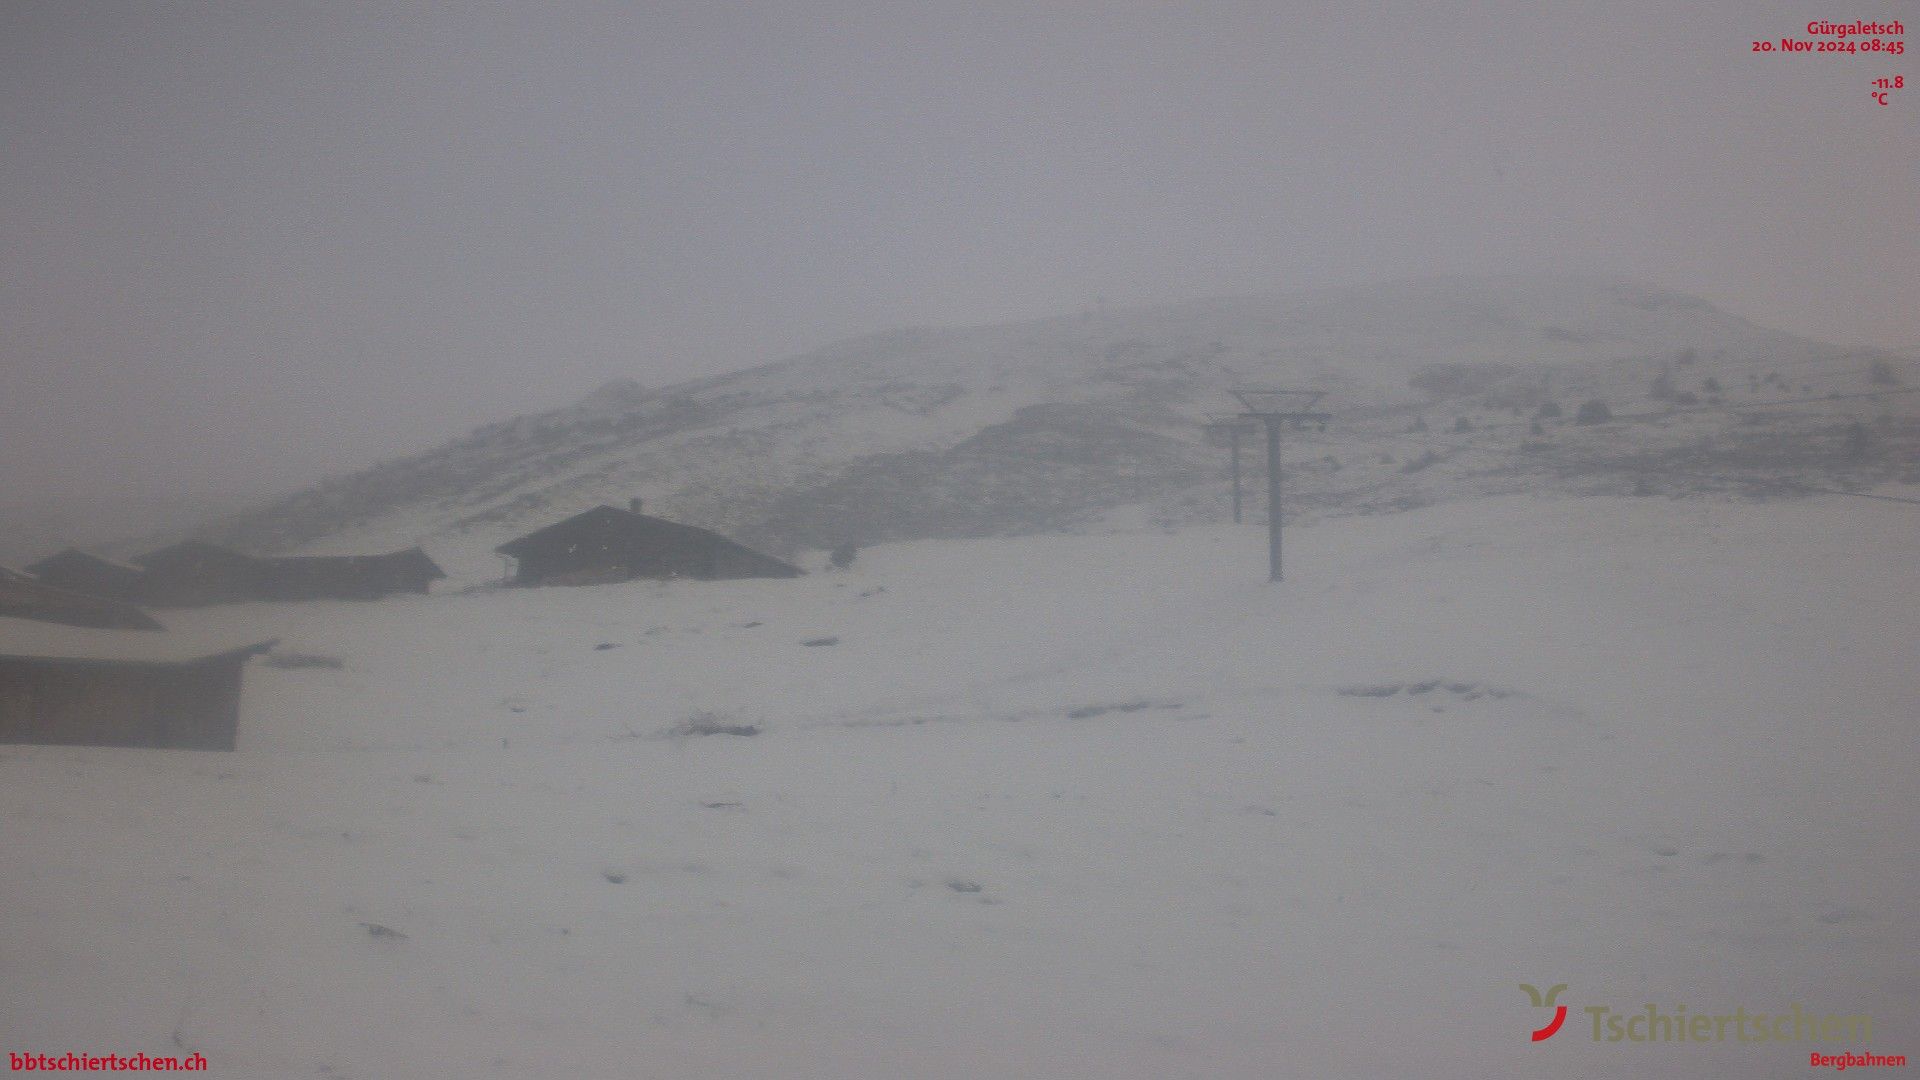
x=71, y=685
x=346, y=577
x=196, y=573
x=22, y=596
x=610, y=544
x=84, y=572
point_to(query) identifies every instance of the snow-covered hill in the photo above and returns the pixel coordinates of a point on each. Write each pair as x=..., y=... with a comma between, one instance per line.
x=1052, y=806
x=1053, y=424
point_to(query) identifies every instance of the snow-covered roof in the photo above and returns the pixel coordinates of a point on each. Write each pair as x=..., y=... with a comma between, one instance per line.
x=27, y=638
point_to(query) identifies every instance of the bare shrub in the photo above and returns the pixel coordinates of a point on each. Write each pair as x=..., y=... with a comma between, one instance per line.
x=710, y=723
x=1593, y=412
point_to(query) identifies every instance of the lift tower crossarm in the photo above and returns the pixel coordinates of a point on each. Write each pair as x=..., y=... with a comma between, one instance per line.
x=1278, y=410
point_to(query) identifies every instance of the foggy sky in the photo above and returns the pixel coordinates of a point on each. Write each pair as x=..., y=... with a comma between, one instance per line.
x=243, y=246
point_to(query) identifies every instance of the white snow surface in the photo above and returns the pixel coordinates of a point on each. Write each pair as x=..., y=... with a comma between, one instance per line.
x=53, y=641
x=1052, y=806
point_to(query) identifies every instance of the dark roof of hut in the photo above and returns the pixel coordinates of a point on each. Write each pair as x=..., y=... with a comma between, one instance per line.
x=306, y=576
x=603, y=521
x=412, y=561
x=193, y=553
x=23, y=597
x=74, y=557
x=598, y=522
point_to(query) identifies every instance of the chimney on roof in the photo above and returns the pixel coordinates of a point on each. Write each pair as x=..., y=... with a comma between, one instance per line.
x=633, y=505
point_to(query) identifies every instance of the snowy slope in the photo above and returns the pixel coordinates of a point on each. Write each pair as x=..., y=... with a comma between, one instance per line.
x=1051, y=425
x=1062, y=806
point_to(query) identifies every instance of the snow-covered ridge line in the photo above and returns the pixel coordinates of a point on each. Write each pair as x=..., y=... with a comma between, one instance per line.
x=1054, y=423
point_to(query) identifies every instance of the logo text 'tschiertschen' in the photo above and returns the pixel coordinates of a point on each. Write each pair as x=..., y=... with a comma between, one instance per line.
x=1651, y=1024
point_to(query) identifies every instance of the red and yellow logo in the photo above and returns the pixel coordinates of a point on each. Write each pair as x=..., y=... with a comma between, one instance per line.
x=1559, y=1011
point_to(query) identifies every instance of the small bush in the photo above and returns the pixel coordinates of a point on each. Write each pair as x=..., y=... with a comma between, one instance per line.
x=707, y=723
x=1711, y=385
x=1548, y=410
x=842, y=556
x=1859, y=442
x=1593, y=412
x=1374, y=690
x=1462, y=425
x=1882, y=374
x=1423, y=461
x=1662, y=389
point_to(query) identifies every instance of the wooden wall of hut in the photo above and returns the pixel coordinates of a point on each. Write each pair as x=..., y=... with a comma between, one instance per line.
x=192, y=706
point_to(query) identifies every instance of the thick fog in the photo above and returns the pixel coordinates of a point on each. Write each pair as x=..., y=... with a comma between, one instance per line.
x=245, y=247
x=960, y=541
